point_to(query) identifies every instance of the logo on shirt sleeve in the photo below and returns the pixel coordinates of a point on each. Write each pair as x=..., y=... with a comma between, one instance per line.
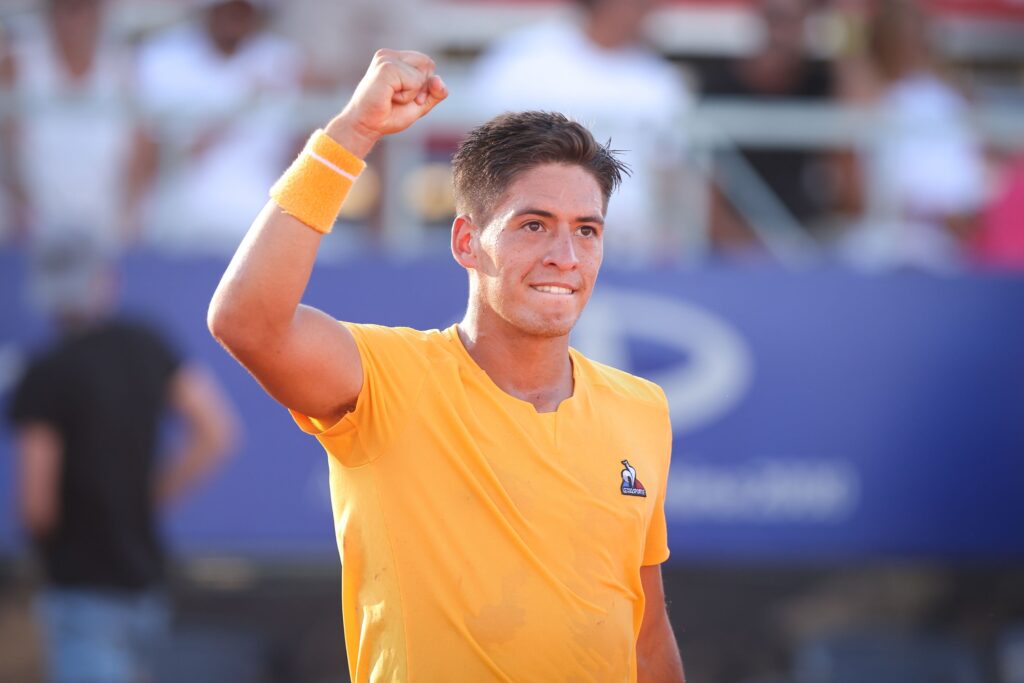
x=631, y=486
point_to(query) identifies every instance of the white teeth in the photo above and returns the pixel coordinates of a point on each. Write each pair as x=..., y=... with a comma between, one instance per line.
x=550, y=289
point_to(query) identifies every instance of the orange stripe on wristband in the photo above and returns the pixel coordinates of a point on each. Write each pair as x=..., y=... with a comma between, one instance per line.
x=316, y=184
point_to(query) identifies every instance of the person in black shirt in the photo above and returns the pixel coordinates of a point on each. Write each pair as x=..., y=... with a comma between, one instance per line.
x=86, y=417
x=780, y=70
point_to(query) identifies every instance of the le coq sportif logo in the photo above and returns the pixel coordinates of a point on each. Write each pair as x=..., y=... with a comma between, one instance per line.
x=631, y=486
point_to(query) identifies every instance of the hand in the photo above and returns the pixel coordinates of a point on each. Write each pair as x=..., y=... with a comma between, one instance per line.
x=398, y=89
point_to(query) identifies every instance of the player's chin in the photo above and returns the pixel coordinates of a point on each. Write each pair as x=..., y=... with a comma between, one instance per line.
x=550, y=326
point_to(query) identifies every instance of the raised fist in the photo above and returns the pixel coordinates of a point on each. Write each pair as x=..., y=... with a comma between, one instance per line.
x=399, y=87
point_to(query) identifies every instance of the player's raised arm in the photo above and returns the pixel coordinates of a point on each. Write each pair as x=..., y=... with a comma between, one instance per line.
x=301, y=356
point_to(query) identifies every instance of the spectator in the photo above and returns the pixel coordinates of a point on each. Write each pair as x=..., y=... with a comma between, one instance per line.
x=71, y=152
x=779, y=70
x=218, y=90
x=90, y=486
x=341, y=36
x=574, y=67
x=925, y=169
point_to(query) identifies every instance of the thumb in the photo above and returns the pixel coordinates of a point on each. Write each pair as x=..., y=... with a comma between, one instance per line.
x=434, y=92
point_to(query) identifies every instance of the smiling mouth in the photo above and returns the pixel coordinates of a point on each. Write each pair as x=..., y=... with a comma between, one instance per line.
x=551, y=289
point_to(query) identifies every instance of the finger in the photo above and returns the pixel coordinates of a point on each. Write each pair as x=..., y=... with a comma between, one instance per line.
x=437, y=87
x=424, y=93
x=404, y=96
x=437, y=91
x=417, y=60
x=409, y=82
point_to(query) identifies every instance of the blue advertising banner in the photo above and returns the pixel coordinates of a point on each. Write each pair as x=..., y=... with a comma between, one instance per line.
x=819, y=415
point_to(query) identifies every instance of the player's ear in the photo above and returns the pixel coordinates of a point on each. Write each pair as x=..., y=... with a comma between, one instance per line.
x=465, y=241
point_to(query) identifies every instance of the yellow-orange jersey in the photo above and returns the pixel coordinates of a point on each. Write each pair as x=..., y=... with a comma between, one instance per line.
x=481, y=540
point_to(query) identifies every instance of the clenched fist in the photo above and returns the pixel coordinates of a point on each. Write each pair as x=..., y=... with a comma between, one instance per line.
x=399, y=87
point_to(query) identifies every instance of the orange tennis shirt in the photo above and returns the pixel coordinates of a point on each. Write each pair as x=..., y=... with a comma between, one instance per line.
x=481, y=540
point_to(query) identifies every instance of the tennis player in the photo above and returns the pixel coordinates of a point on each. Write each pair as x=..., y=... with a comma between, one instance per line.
x=498, y=497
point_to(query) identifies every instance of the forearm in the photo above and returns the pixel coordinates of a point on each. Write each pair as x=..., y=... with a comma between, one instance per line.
x=257, y=299
x=194, y=461
x=300, y=355
x=259, y=294
x=210, y=431
x=351, y=135
x=658, y=658
x=186, y=468
x=665, y=666
x=39, y=458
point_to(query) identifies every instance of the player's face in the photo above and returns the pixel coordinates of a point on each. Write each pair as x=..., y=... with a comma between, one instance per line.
x=540, y=254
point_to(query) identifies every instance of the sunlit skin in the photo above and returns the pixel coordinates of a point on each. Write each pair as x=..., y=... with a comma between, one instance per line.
x=532, y=268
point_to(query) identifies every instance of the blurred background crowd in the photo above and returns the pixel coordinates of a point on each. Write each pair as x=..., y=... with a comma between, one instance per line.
x=881, y=133
x=862, y=160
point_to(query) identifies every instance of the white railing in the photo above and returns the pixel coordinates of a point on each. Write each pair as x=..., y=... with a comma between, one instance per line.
x=714, y=132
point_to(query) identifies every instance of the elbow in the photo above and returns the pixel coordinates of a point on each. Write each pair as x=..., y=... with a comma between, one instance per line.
x=218, y=319
x=243, y=331
x=228, y=326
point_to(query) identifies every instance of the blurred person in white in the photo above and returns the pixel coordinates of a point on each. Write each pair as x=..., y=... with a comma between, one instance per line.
x=91, y=483
x=575, y=67
x=70, y=149
x=339, y=35
x=925, y=170
x=218, y=91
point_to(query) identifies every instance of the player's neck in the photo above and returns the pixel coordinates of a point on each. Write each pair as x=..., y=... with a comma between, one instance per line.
x=534, y=369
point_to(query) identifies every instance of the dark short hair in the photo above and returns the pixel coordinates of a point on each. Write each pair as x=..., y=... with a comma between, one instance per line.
x=493, y=154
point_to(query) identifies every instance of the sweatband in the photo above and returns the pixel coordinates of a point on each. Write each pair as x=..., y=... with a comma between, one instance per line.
x=315, y=185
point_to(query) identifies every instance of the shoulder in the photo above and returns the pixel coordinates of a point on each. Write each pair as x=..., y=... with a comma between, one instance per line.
x=273, y=47
x=528, y=49
x=926, y=95
x=146, y=338
x=24, y=32
x=136, y=328
x=165, y=57
x=28, y=51
x=620, y=384
x=40, y=367
x=383, y=341
x=36, y=387
x=522, y=41
x=386, y=333
x=171, y=42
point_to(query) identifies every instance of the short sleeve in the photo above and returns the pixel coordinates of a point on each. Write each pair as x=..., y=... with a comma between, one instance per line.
x=395, y=364
x=656, y=545
x=36, y=397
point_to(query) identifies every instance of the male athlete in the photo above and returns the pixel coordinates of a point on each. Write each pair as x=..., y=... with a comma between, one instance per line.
x=498, y=497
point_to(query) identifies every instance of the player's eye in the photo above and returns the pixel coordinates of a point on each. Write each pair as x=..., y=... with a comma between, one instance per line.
x=533, y=226
x=587, y=231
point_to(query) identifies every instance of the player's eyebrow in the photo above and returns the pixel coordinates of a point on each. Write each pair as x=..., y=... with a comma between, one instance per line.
x=547, y=214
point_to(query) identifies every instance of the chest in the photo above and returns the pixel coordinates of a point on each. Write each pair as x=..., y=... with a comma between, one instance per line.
x=595, y=463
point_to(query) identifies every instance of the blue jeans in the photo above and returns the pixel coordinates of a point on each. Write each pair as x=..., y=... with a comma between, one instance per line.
x=95, y=636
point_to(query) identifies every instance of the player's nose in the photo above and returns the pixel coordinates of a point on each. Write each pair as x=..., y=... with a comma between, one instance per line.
x=561, y=251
